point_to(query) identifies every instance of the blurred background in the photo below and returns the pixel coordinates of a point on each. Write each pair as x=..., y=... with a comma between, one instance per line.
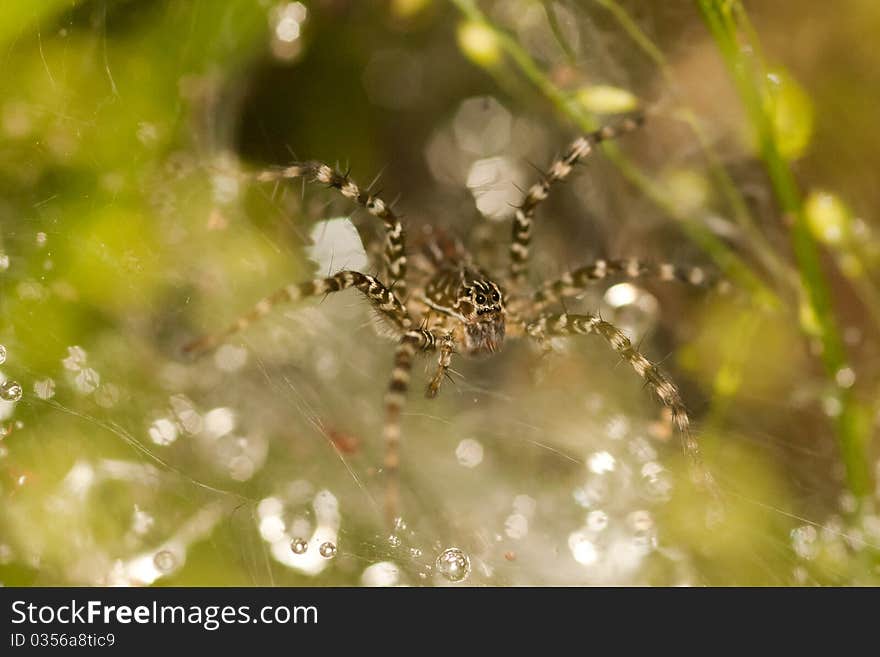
x=128, y=227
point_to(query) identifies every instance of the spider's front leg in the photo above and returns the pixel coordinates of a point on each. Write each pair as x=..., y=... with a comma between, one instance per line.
x=395, y=238
x=395, y=398
x=579, y=149
x=379, y=296
x=567, y=324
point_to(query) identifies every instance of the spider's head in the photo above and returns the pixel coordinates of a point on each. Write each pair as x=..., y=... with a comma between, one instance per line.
x=481, y=303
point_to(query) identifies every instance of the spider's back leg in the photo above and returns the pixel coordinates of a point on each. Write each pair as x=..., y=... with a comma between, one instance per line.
x=395, y=398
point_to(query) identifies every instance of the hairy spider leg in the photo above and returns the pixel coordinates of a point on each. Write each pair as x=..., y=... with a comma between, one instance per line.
x=574, y=282
x=568, y=324
x=446, y=349
x=395, y=239
x=558, y=171
x=379, y=296
x=412, y=342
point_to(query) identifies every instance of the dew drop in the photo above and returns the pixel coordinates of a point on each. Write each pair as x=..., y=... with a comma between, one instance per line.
x=87, y=381
x=76, y=358
x=582, y=548
x=632, y=309
x=299, y=546
x=383, y=573
x=516, y=526
x=453, y=564
x=327, y=550
x=287, y=21
x=164, y=560
x=469, y=453
x=10, y=390
x=805, y=541
x=44, y=388
x=2, y=354
x=597, y=520
x=163, y=432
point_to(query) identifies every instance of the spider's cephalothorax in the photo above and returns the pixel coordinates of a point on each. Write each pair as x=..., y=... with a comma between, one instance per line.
x=475, y=303
x=452, y=306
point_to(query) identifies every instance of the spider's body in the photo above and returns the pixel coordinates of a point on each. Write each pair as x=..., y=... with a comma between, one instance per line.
x=465, y=302
x=448, y=305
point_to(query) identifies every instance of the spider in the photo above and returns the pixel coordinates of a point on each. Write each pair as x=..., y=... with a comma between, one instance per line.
x=450, y=306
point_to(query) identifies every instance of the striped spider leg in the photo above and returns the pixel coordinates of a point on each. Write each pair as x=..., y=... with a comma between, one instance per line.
x=456, y=308
x=557, y=172
x=565, y=324
x=574, y=282
x=379, y=296
x=395, y=239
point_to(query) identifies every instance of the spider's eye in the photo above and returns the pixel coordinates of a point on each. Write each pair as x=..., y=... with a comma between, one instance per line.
x=480, y=298
x=495, y=297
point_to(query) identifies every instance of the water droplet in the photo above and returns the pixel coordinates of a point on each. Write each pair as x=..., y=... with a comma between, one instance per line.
x=4, y=262
x=2, y=354
x=415, y=553
x=10, y=390
x=631, y=308
x=469, y=453
x=383, y=573
x=601, y=462
x=287, y=21
x=805, y=541
x=44, y=388
x=399, y=524
x=845, y=377
x=219, y=422
x=394, y=540
x=516, y=526
x=597, y=520
x=582, y=548
x=163, y=432
x=230, y=358
x=656, y=481
x=87, y=381
x=299, y=546
x=454, y=564
x=327, y=550
x=76, y=358
x=165, y=561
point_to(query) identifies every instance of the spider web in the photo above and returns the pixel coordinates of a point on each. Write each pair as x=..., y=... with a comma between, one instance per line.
x=127, y=228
